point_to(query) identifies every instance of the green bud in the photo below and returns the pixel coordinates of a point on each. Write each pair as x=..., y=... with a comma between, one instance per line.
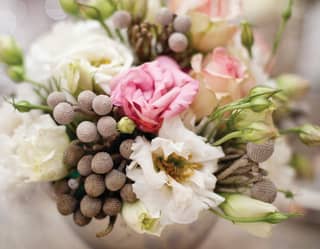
x=277, y=217
x=126, y=125
x=10, y=53
x=309, y=134
x=70, y=6
x=302, y=166
x=292, y=86
x=98, y=9
x=260, y=103
x=22, y=106
x=287, y=13
x=247, y=37
x=16, y=73
x=258, y=132
x=262, y=90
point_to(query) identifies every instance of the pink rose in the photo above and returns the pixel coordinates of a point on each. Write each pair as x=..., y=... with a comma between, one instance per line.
x=216, y=9
x=221, y=74
x=152, y=92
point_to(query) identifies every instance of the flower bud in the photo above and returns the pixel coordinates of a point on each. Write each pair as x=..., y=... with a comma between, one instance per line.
x=97, y=9
x=69, y=6
x=140, y=219
x=247, y=37
x=164, y=16
x=178, y=42
x=23, y=106
x=10, y=53
x=258, y=132
x=292, y=86
x=121, y=19
x=262, y=90
x=309, y=134
x=126, y=125
x=241, y=206
x=16, y=73
x=260, y=103
x=182, y=24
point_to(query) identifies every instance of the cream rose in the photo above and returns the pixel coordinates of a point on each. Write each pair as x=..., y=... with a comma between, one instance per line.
x=78, y=55
x=35, y=151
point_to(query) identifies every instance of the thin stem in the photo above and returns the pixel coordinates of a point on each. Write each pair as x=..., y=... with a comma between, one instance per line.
x=36, y=84
x=118, y=32
x=106, y=28
x=228, y=137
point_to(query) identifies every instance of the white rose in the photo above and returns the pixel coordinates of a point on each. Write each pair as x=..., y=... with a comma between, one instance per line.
x=35, y=151
x=81, y=51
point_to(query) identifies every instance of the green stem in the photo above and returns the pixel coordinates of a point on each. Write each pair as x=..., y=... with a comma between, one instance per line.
x=106, y=28
x=290, y=130
x=36, y=84
x=118, y=32
x=228, y=137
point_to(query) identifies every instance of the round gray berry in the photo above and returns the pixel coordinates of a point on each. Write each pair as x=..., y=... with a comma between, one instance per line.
x=178, y=42
x=94, y=185
x=73, y=184
x=66, y=204
x=84, y=165
x=63, y=113
x=80, y=219
x=115, y=180
x=102, y=105
x=73, y=154
x=107, y=127
x=102, y=163
x=87, y=132
x=260, y=152
x=164, y=16
x=85, y=100
x=56, y=98
x=61, y=187
x=182, y=24
x=126, y=148
x=112, y=206
x=127, y=194
x=265, y=191
x=121, y=19
x=90, y=207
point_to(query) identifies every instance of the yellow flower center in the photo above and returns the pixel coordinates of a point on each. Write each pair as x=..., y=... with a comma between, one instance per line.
x=102, y=61
x=176, y=166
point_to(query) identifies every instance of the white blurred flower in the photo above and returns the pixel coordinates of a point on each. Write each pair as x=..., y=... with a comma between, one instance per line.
x=84, y=44
x=173, y=174
x=278, y=165
x=241, y=206
x=35, y=151
x=140, y=219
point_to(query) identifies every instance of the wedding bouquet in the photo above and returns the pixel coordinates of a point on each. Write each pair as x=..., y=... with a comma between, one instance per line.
x=151, y=111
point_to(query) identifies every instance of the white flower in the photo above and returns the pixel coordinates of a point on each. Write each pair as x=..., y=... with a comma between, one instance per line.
x=173, y=174
x=84, y=44
x=35, y=150
x=140, y=219
x=241, y=206
x=278, y=165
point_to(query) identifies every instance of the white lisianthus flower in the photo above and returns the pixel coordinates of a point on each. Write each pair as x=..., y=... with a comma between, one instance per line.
x=140, y=219
x=35, y=150
x=278, y=165
x=241, y=206
x=82, y=47
x=173, y=174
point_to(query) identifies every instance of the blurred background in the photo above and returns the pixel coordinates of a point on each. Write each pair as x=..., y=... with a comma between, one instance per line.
x=299, y=53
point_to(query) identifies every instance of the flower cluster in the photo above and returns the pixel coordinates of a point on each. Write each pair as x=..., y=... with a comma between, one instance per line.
x=153, y=112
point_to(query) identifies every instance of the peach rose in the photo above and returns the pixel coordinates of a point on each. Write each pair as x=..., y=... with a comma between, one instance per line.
x=153, y=91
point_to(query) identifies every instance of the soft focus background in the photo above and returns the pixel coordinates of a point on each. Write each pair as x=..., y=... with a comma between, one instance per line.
x=299, y=53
